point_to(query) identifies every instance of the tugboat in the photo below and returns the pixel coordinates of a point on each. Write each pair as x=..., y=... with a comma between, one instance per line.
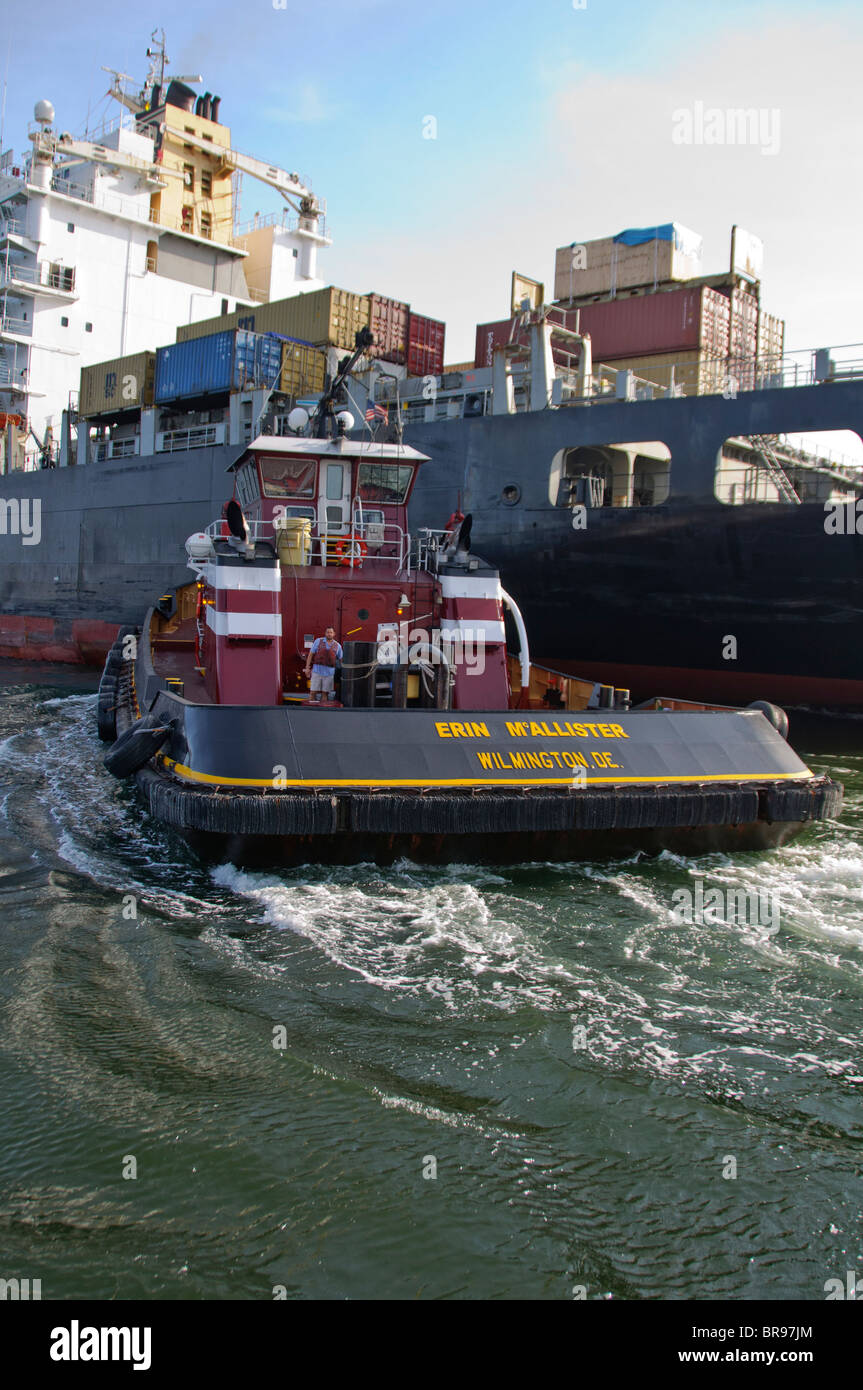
x=437, y=744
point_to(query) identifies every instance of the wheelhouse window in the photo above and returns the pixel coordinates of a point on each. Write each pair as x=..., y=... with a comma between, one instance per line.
x=335, y=481
x=247, y=485
x=384, y=482
x=288, y=477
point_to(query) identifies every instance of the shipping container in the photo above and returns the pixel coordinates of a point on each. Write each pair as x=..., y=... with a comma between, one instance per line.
x=425, y=345
x=123, y=383
x=771, y=338
x=303, y=369
x=257, y=360
x=227, y=361
x=200, y=367
x=638, y=256
x=650, y=323
x=205, y=328
x=388, y=320
x=743, y=340
x=331, y=316
x=693, y=373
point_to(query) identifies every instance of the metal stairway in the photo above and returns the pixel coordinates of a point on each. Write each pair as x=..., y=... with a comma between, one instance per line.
x=765, y=444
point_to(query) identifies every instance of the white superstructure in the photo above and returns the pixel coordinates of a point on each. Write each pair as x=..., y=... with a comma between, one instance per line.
x=107, y=246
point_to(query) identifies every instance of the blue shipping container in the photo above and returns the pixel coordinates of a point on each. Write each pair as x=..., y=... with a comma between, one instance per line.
x=233, y=360
x=199, y=367
x=257, y=360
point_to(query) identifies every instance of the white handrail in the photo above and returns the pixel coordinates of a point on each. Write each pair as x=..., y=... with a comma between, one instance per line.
x=524, y=650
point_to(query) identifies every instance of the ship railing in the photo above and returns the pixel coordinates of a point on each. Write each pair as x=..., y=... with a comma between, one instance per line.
x=428, y=546
x=11, y=226
x=48, y=274
x=139, y=210
x=196, y=437
x=825, y=459
x=10, y=324
x=287, y=221
x=96, y=135
x=386, y=543
x=728, y=377
x=117, y=448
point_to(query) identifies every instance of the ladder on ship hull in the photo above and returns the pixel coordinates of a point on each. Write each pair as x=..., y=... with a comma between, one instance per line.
x=764, y=445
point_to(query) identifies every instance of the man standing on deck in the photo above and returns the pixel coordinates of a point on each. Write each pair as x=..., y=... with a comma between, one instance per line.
x=321, y=662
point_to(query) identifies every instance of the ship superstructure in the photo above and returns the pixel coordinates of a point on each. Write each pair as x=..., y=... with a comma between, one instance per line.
x=110, y=241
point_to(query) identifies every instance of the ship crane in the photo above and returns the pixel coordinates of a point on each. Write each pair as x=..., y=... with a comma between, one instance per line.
x=288, y=185
x=48, y=147
x=148, y=101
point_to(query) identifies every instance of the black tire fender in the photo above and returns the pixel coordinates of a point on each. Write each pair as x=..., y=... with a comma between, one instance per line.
x=106, y=708
x=773, y=714
x=137, y=746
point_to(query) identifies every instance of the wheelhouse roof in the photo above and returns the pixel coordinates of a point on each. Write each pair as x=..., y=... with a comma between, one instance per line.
x=329, y=448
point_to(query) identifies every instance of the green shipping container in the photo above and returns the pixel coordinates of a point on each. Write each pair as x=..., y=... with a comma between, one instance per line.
x=123, y=383
x=330, y=318
x=303, y=370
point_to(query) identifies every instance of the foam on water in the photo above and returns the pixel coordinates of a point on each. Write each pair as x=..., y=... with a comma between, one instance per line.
x=426, y=1011
x=597, y=943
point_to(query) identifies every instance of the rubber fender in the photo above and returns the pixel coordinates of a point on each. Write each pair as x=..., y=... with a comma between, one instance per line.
x=137, y=746
x=106, y=709
x=773, y=714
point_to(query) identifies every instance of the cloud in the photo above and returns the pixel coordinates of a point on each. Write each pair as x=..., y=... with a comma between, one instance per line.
x=306, y=106
x=605, y=159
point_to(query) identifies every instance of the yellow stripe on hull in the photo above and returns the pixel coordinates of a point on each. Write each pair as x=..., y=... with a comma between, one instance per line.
x=189, y=774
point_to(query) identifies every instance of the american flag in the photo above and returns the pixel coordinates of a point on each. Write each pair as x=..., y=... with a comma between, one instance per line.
x=377, y=412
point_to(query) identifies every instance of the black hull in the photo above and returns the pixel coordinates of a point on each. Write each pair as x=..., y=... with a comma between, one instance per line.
x=259, y=785
x=255, y=852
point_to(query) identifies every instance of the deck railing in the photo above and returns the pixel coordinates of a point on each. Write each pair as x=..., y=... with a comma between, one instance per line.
x=732, y=376
x=387, y=544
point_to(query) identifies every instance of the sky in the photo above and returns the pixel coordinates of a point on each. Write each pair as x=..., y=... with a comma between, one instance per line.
x=554, y=122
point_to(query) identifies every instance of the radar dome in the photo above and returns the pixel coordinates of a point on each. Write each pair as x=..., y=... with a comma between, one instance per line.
x=298, y=419
x=44, y=112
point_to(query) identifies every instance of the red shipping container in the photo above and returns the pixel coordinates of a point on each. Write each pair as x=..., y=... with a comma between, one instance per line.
x=389, y=324
x=425, y=346
x=677, y=320
x=649, y=323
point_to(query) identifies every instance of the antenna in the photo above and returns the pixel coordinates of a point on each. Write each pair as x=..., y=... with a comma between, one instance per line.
x=159, y=56
x=5, y=85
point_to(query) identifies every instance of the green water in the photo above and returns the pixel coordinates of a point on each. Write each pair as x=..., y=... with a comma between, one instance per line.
x=431, y=1024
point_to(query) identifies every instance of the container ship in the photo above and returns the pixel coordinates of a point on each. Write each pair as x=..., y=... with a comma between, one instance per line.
x=625, y=448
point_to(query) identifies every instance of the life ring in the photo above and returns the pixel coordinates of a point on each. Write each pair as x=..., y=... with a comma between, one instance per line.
x=351, y=551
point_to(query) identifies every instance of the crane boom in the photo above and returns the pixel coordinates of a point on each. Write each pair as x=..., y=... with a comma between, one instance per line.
x=287, y=184
x=72, y=151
